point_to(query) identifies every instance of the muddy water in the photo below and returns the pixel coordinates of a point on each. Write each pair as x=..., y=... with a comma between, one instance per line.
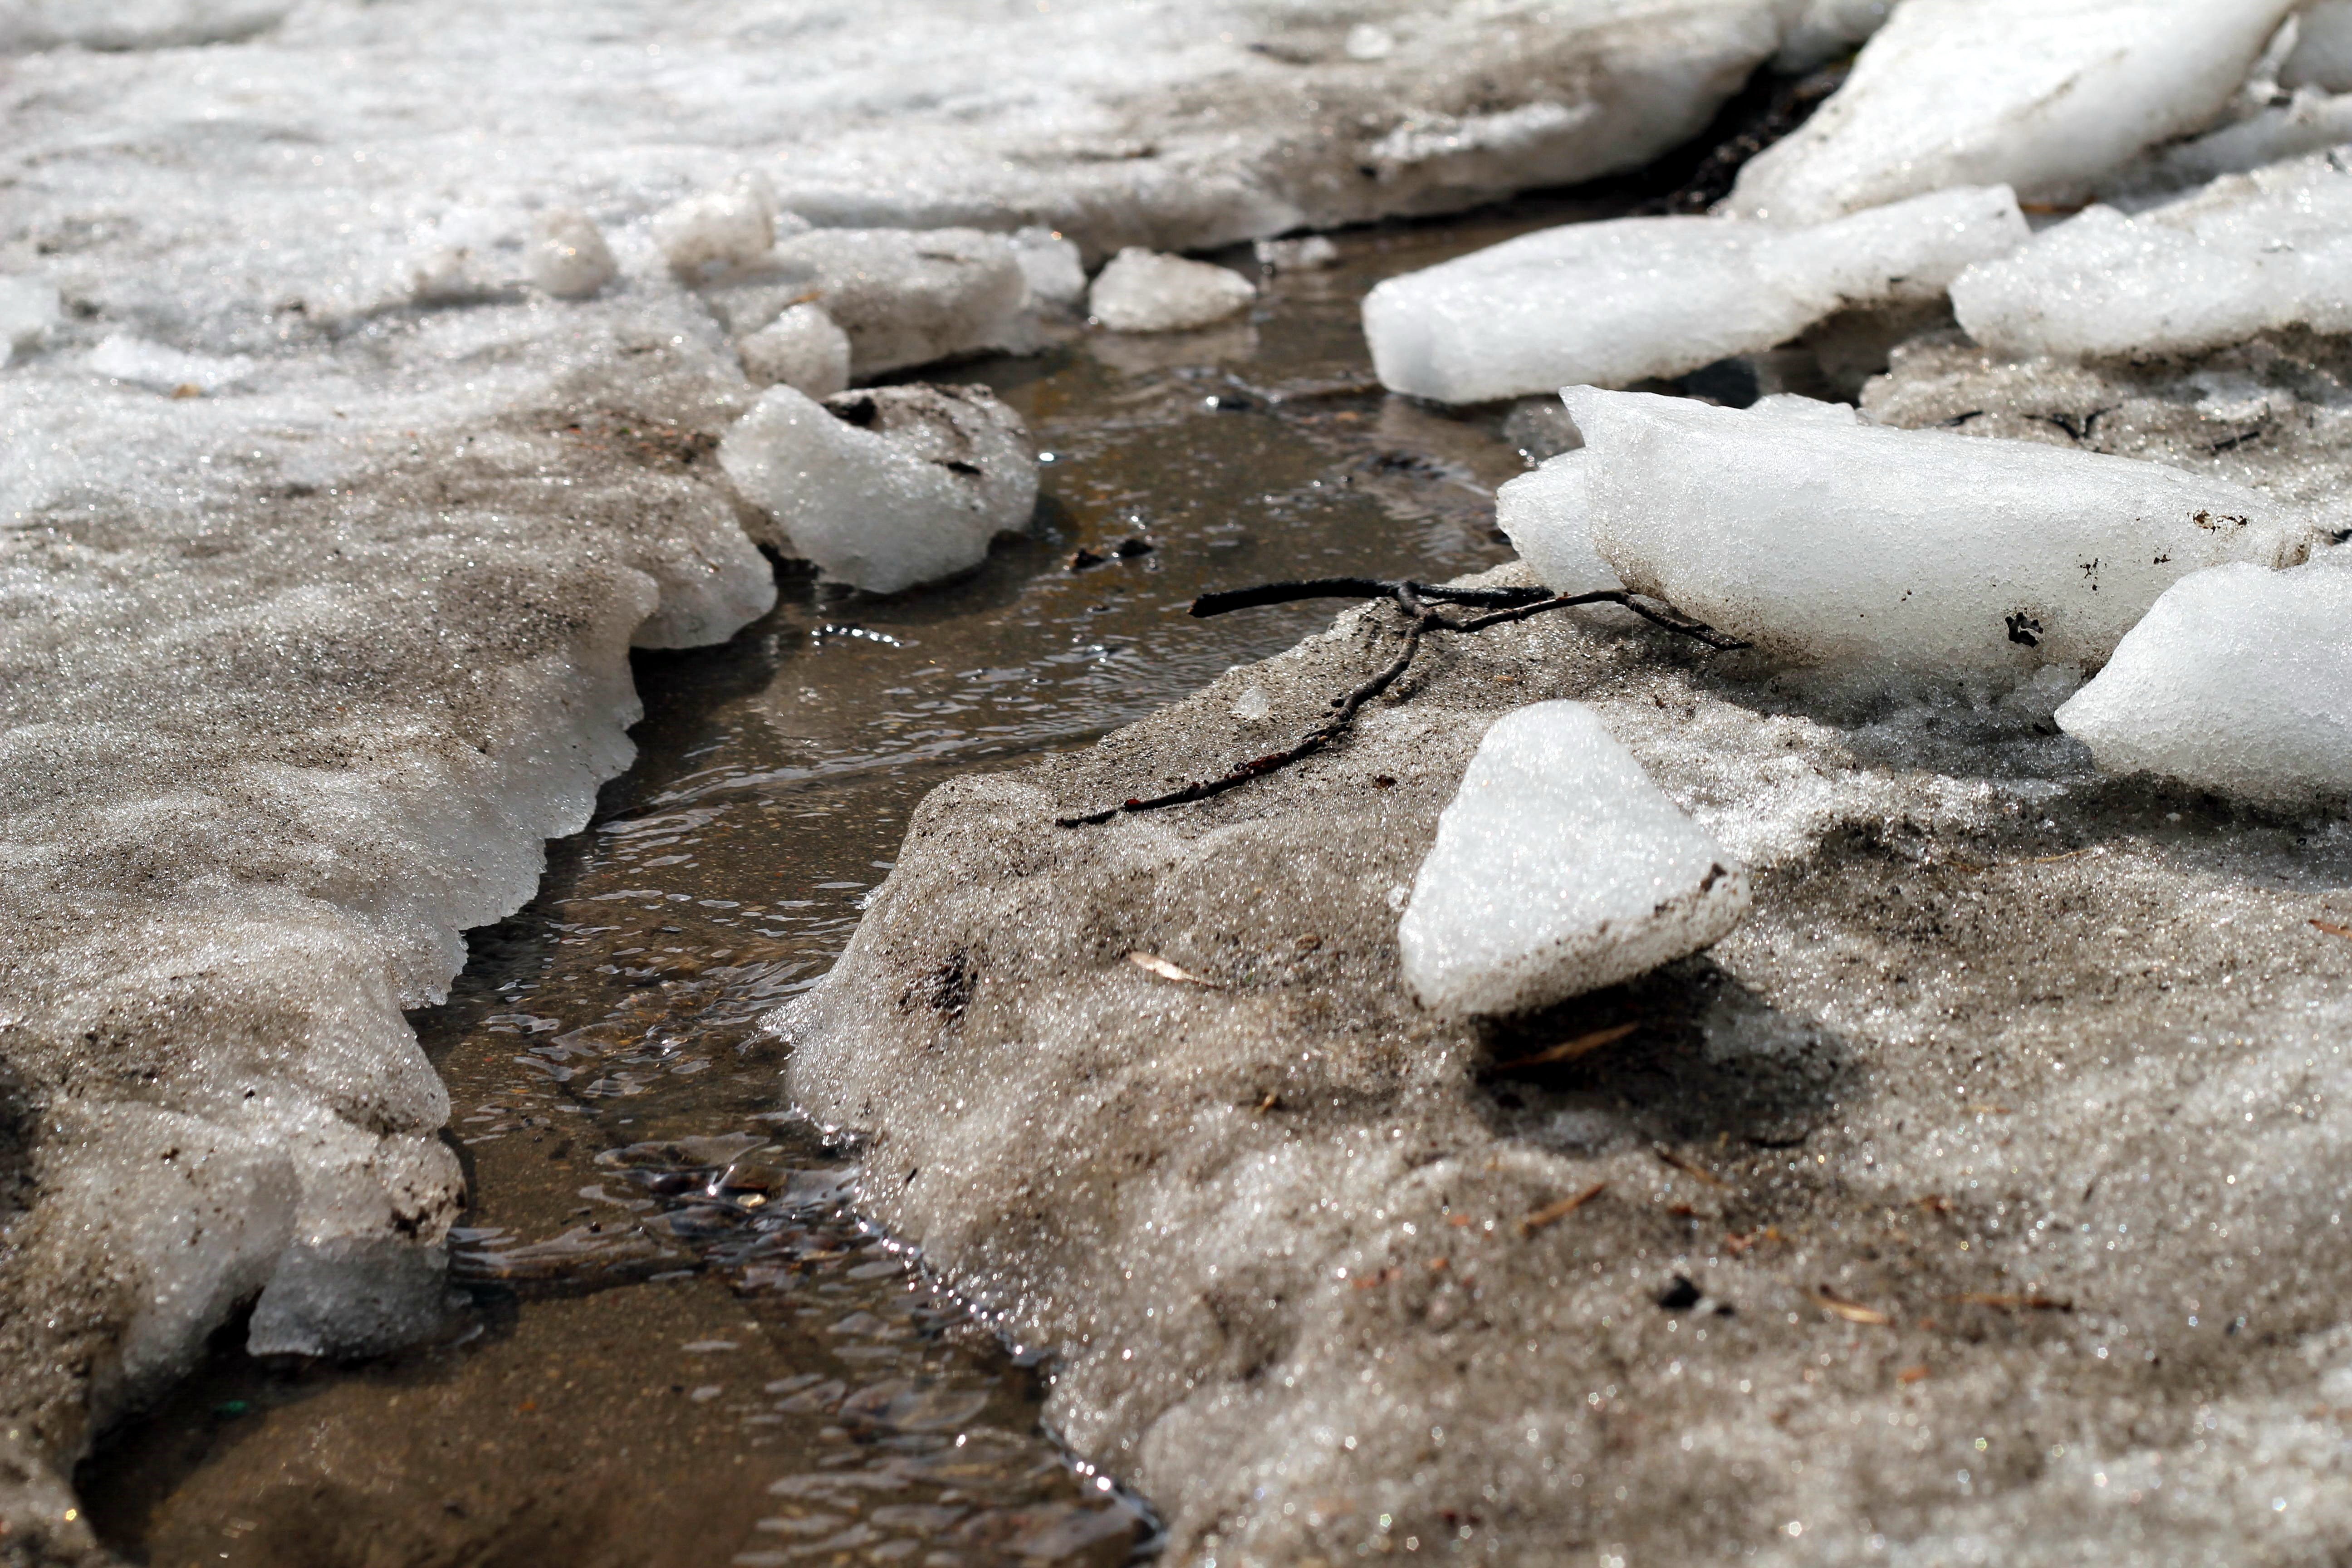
x=671, y=1343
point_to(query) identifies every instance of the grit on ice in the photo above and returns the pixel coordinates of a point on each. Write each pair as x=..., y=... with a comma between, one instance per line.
x=319, y=607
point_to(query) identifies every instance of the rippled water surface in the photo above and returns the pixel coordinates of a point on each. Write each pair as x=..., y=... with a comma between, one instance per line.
x=677, y=1347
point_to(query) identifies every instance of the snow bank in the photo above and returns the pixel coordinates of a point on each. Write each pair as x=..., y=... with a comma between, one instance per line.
x=1608, y=303
x=2045, y=96
x=2238, y=681
x=1144, y=291
x=2249, y=253
x=887, y=488
x=1558, y=868
x=1893, y=554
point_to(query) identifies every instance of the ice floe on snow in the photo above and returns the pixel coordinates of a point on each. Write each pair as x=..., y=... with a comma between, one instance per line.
x=2238, y=680
x=1608, y=303
x=1890, y=554
x=1143, y=291
x=1559, y=867
x=886, y=488
x=2045, y=96
x=2248, y=254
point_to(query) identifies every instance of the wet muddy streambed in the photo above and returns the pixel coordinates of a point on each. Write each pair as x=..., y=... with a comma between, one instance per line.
x=677, y=1346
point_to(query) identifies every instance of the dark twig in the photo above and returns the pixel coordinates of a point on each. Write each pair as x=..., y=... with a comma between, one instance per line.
x=1418, y=602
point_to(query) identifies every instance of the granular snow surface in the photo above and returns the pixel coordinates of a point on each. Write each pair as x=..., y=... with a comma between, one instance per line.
x=363, y=380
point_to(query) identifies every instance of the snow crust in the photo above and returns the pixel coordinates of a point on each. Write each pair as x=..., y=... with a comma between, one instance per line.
x=2045, y=96
x=1559, y=867
x=887, y=488
x=2248, y=254
x=1609, y=303
x=1897, y=555
x=1143, y=291
x=2238, y=681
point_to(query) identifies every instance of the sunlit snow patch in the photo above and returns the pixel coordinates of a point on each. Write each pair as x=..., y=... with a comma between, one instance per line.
x=2046, y=96
x=1608, y=303
x=1558, y=868
x=1887, y=553
x=886, y=488
x=2238, y=681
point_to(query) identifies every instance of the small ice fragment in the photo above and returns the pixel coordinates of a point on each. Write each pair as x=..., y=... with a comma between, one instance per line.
x=1311, y=253
x=2249, y=253
x=568, y=259
x=2322, y=56
x=886, y=488
x=717, y=231
x=1886, y=553
x=1370, y=41
x=1144, y=291
x=802, y=349
x=1056, y=270
x=28, y=308
x=1607, y=303
x=906, y=297
x=160, y=369
x=1558, y=868
x=1547, y=515
x=2238, y=681
x=1252, y=705
x=2046, y=96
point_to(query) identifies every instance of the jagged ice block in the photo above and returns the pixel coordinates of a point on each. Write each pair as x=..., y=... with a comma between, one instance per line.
x=1559, y=867
x=2238, y=681
x=1898, y=554
x=1604, y=304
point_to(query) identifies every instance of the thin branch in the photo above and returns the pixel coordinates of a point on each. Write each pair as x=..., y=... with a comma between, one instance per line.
x=1417, y=601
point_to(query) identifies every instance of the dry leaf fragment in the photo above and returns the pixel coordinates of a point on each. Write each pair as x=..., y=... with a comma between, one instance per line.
x=1688, y=1166
x=1852, y=1311
x=1912, y=1374
x=2332, y=929
x=1560, y=1210
x=1568, y=1050
x=1165, y=970
x=2018, y=1303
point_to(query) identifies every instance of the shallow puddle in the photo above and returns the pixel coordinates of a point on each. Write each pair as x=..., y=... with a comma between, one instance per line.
x=675, y=1346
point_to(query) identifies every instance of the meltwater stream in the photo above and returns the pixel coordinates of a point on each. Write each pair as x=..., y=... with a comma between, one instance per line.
x=679, y=1347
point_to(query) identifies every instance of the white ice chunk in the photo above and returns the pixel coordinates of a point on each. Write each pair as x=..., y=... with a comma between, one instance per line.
x=28, y=308
x=802, y=349
x=887, y=488
x=2308, y=121
x=1547, y=515
x=1825, y=29
x=906, y=297
x=2322, y=56
x=2046, y=96
x=161, y=369
x=1891, y=553
x=717, y=231
x=1558, y=868
x=1309, y=253
x=1054, y=266
x=1606, y=303
x=2238, y=681
x=1370, y=41
x=1144, y=291
x=568, y=259
x=2248, y=254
